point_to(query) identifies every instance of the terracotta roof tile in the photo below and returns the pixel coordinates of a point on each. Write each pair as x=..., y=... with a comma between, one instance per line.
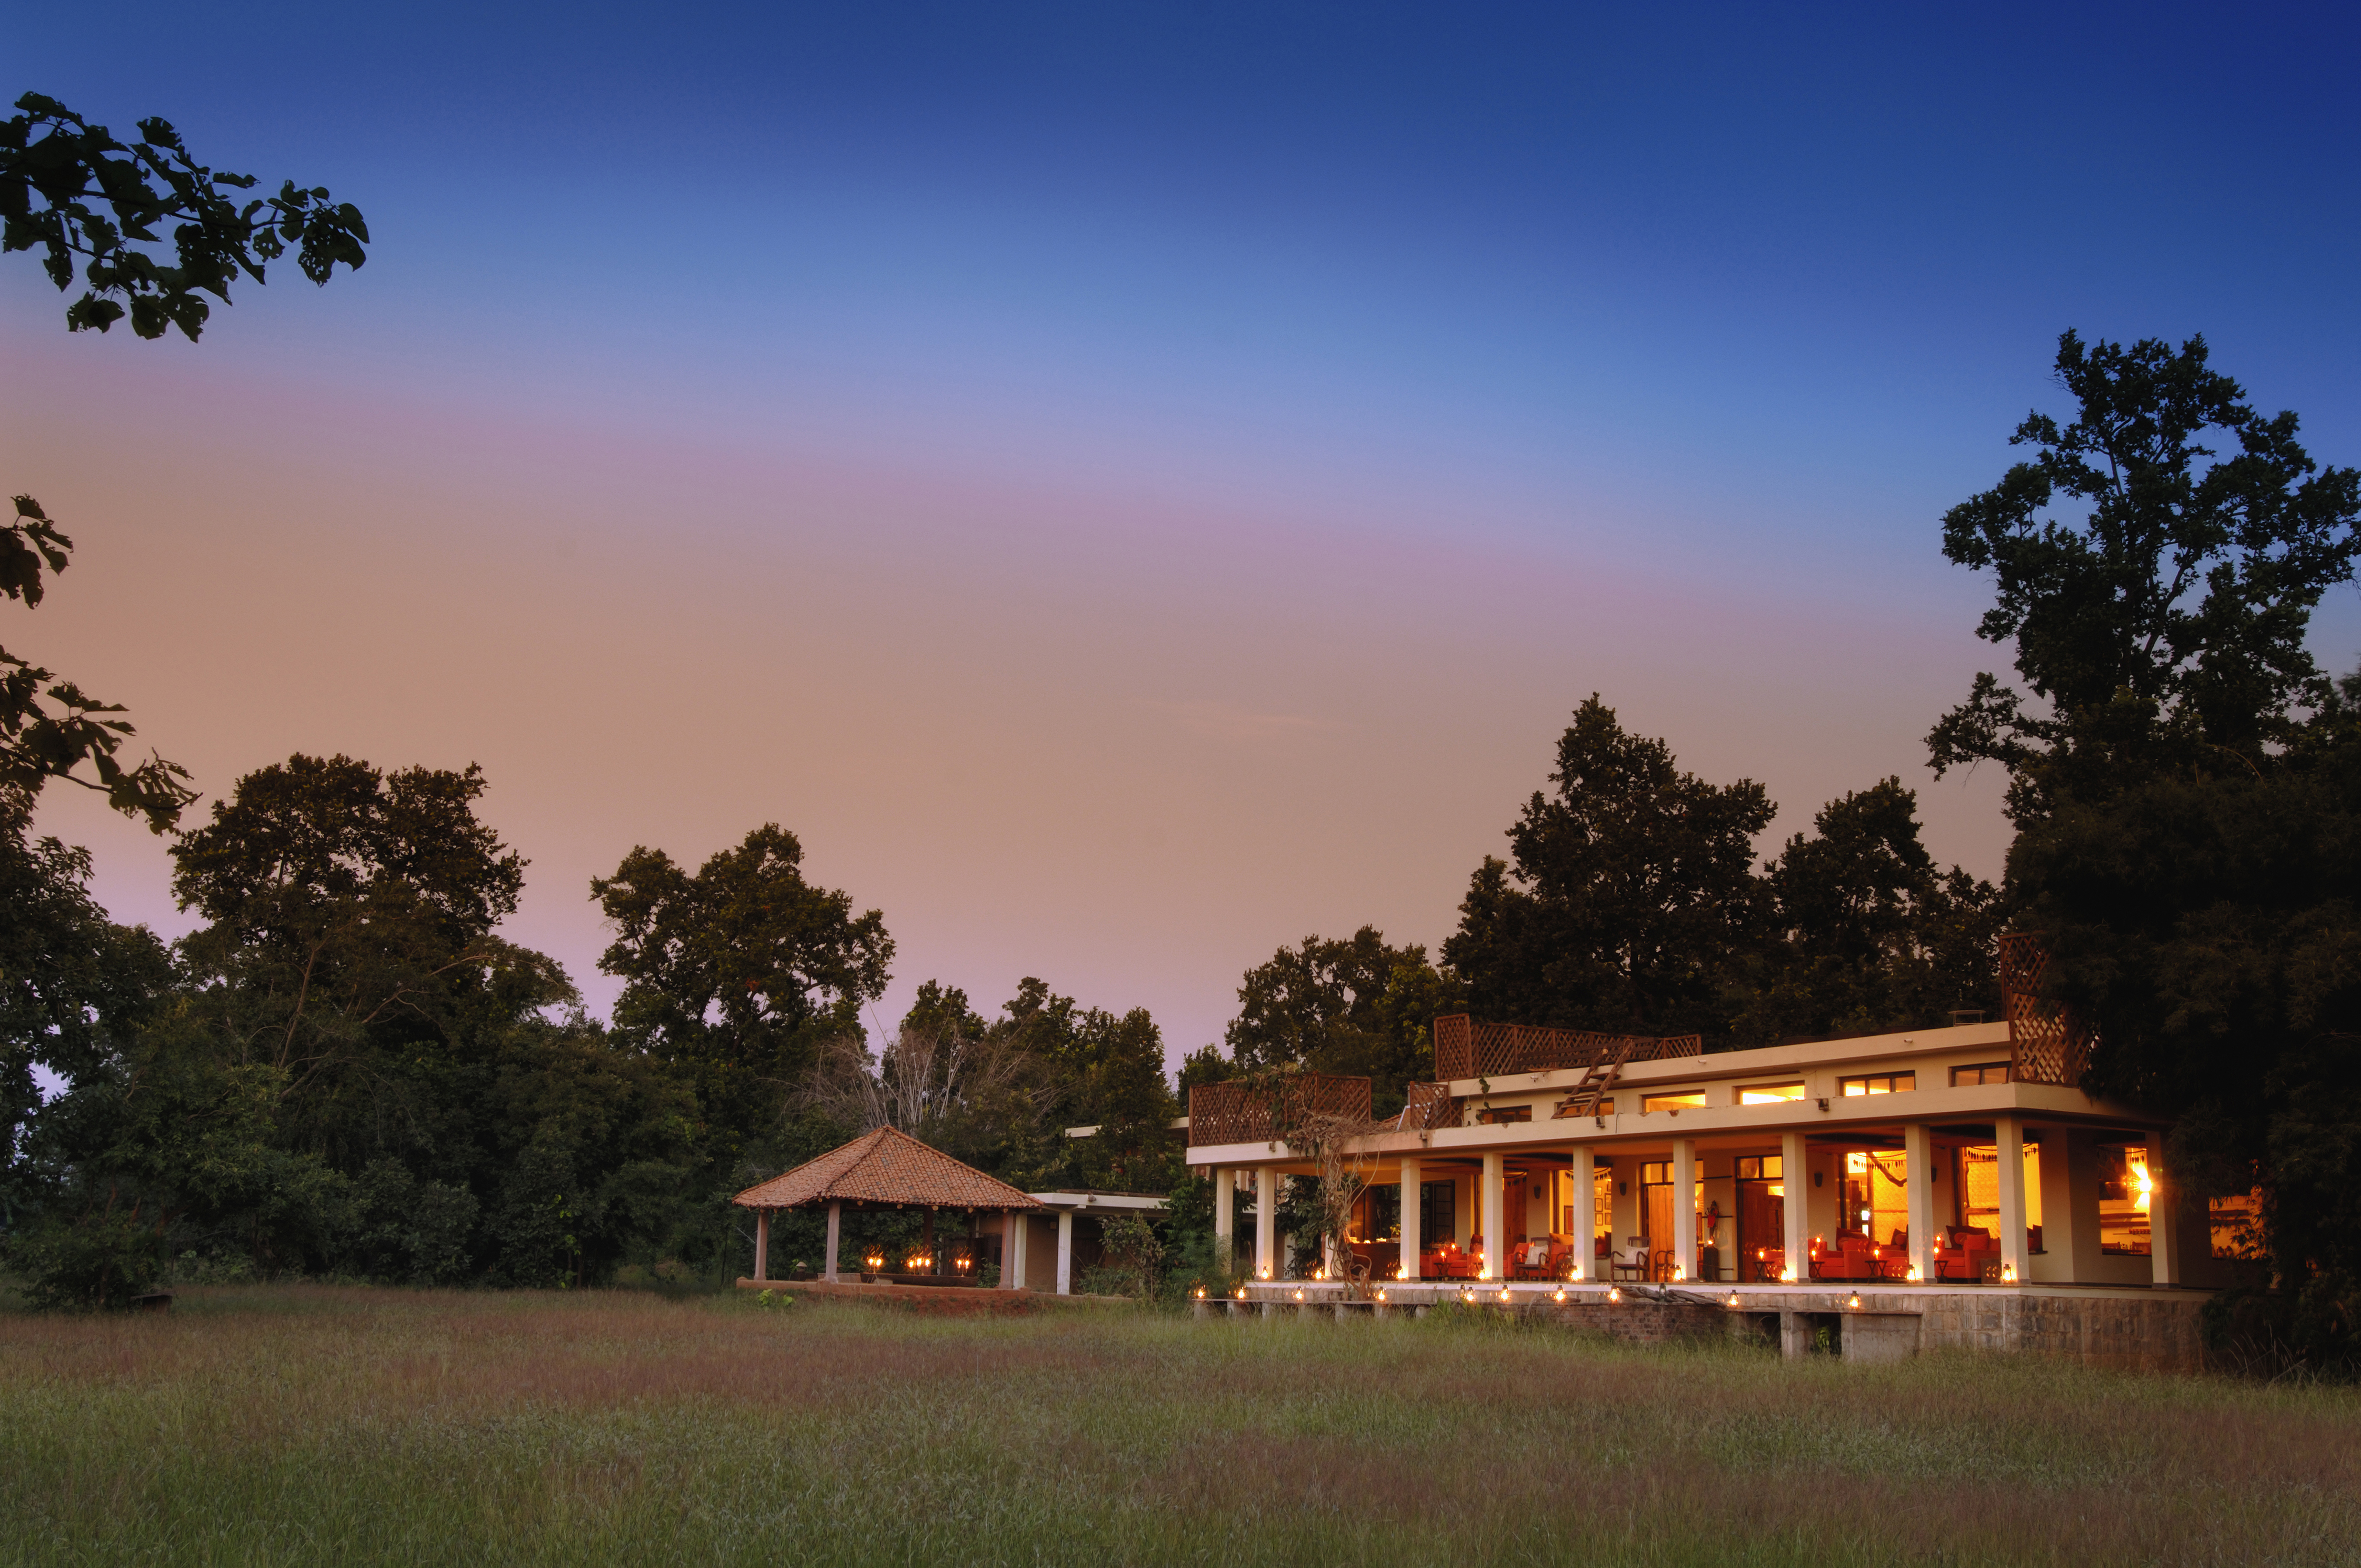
x=884, y=1167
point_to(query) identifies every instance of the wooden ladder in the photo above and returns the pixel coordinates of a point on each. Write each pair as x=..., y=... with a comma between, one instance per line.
x=1596, y=1081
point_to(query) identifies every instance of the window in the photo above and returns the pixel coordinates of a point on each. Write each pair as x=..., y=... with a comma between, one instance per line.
x=1505, y=1113
x=1438, y=1218
x=1769, y=1093
x=1988, y=1072
x=2124, y=1192
x=1690, y=1100
x=1875, y=1205
x=1883, y=1083
x=1760, y=1168
x=1654, y=1171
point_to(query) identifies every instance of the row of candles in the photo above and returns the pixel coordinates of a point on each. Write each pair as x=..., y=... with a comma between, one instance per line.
x=917, y=1263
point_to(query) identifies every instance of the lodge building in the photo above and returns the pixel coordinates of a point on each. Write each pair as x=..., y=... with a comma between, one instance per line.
x=1930, y=1188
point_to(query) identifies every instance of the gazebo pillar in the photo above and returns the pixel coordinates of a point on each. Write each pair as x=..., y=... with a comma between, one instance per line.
x=1012, y=1250
x=761, y=1244
x=1065, y=1252
x=835, y=1218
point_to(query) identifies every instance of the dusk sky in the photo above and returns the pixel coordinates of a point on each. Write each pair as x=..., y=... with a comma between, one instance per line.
x=1130, y=485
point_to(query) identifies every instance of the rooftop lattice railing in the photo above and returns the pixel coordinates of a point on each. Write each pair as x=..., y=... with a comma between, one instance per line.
x=1264, y=1109
x=1466, y=1049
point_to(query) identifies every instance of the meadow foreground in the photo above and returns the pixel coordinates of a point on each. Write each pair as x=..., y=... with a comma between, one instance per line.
x=317, y=1424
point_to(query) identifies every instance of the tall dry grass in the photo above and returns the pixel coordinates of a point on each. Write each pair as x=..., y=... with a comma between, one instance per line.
x=303, y=1424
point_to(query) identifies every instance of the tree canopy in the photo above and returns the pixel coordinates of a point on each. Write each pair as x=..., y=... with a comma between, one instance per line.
x=1629, y=897
x=2188, y=792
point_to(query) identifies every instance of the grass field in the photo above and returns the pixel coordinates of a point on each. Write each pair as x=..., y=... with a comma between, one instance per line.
x=323, y=1425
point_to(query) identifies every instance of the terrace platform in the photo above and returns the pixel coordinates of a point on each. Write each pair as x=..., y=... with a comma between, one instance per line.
x=2125, y=1328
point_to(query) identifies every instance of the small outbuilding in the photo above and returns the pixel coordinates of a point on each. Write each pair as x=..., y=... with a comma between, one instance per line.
x=890, y=1169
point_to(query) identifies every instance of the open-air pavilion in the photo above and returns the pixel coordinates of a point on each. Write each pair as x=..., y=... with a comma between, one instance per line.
x=890, y=1169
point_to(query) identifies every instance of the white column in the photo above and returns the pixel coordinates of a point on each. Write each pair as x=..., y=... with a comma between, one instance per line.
x=1685, y=1247
x=835, y=1226
x=761, y=1244
x=2008, y=1138
x=2164, y=1241
x=1795, y=1207
x=1410, y=1239
x=1012, y=1250
x=1225, y=1220
x=1493, y=1218
x=1583, y=1231
x=1065, y=1252
x=1919, y=1196
x=1267, y=1222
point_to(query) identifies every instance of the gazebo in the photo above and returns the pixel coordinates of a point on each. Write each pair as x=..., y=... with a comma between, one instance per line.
x=888, y=1169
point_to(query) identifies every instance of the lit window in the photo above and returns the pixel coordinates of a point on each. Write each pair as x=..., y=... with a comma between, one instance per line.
x=1973, y=1077
x=1760, y=1168
x=1505, y=1113
x=1769, y=1093
x=1655, y=1172
x=1883, y=1083
x=1689, y=1100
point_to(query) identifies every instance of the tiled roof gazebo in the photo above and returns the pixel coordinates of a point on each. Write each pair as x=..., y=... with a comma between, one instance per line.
x=888, y=1169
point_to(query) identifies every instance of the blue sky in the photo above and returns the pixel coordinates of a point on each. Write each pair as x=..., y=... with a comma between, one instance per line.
x=1371, y=373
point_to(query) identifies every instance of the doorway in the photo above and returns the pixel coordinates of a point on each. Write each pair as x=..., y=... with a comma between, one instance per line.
x=1762, y=1217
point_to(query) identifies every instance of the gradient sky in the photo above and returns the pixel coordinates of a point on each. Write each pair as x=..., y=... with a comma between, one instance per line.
x=1130, y=485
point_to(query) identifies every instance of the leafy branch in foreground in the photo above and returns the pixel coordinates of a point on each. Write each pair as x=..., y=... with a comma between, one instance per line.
x=49, y=727
x=57, y=171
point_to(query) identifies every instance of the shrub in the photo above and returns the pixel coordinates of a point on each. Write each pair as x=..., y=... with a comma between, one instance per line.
x=96, y=1260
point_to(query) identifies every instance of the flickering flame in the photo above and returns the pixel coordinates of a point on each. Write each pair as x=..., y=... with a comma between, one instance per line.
x=1615, y=1292
x=1855, y=1302
x=1559, y=1296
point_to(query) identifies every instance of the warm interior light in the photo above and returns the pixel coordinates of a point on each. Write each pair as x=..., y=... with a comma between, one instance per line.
x=1733, y=1297
x=2008, y=1273
x=1913, y=1274
x=1402, y=1273
x=1381, y=1295
x=1787, y=1274
x=1615, y=1292
x=1680, y=1271
x=1855, y=1302
x=1561, y=1296
x=1504, y=1292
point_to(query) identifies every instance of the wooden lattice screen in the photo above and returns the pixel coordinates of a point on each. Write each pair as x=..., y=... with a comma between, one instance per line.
x=1431, y=1107
x=1252, y=1111
x=1467, y=1049
x=2047, y=1043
